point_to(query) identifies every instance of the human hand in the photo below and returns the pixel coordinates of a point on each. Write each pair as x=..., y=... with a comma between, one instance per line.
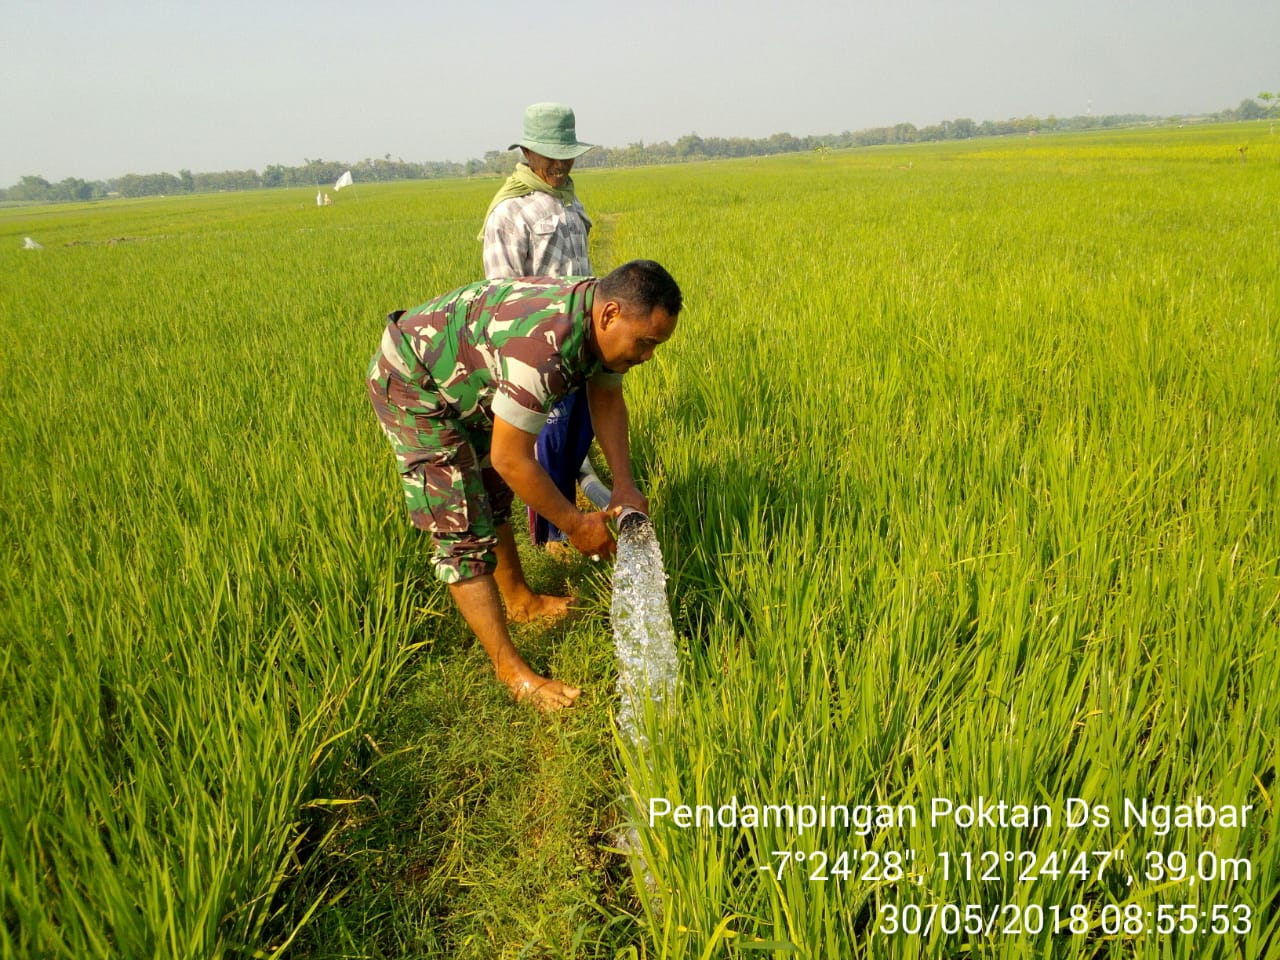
x=627, y=495
x=592, y=537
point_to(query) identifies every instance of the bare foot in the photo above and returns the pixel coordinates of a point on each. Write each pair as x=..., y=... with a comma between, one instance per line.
x=539, y=606
x=547, y=695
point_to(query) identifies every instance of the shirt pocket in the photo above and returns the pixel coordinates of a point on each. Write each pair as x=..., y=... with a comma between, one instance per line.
x=548, y=225
x=416, y=399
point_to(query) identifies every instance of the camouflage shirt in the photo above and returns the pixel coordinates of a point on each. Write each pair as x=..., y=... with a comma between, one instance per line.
x=536, y=236
x=508, y=348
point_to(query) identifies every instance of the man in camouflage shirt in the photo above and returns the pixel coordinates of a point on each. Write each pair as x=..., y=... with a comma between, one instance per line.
x=461, y=386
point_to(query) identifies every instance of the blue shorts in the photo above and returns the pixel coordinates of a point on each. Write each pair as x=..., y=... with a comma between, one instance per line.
x=560, y=448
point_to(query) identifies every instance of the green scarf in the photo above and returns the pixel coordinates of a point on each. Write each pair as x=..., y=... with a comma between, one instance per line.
x=523, y=182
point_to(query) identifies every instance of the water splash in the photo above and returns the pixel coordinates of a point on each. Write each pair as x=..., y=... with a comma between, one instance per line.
x=648, y=667
x=644, y=636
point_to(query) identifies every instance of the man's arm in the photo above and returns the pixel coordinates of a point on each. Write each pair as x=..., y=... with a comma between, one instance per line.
x=609, y=419
x=512, y=455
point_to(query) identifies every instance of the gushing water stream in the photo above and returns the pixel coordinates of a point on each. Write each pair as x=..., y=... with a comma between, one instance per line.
x=644, y=636
x=645, y=642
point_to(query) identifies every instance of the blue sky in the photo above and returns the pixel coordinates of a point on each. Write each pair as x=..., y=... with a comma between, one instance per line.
x=99, y=88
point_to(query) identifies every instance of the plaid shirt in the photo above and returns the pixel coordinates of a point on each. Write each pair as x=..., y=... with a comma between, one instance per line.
x=536, y=236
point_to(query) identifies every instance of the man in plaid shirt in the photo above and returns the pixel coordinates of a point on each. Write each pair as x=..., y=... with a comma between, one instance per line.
x=537, y=227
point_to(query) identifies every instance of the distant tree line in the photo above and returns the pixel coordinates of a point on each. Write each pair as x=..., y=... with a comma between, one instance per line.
x=314, y=173
x=693, y=147
x=322, y=173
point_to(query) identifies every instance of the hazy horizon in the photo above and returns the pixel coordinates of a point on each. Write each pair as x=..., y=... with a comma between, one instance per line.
x=133, y=87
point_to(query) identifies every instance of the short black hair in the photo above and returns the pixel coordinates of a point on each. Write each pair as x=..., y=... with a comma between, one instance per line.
x=642, y=285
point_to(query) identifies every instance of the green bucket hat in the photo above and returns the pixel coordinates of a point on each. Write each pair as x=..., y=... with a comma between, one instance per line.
x=549, y=129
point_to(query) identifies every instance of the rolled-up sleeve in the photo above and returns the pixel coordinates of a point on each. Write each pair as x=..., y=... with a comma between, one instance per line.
x=530, y=421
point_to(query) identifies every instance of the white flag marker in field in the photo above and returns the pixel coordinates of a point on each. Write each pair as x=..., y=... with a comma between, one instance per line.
x=344, y=181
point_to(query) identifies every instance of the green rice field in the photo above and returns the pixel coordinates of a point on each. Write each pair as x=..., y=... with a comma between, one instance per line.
x=965, y=464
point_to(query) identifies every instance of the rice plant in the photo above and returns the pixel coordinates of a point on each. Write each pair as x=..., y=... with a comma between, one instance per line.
x=964, y=463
